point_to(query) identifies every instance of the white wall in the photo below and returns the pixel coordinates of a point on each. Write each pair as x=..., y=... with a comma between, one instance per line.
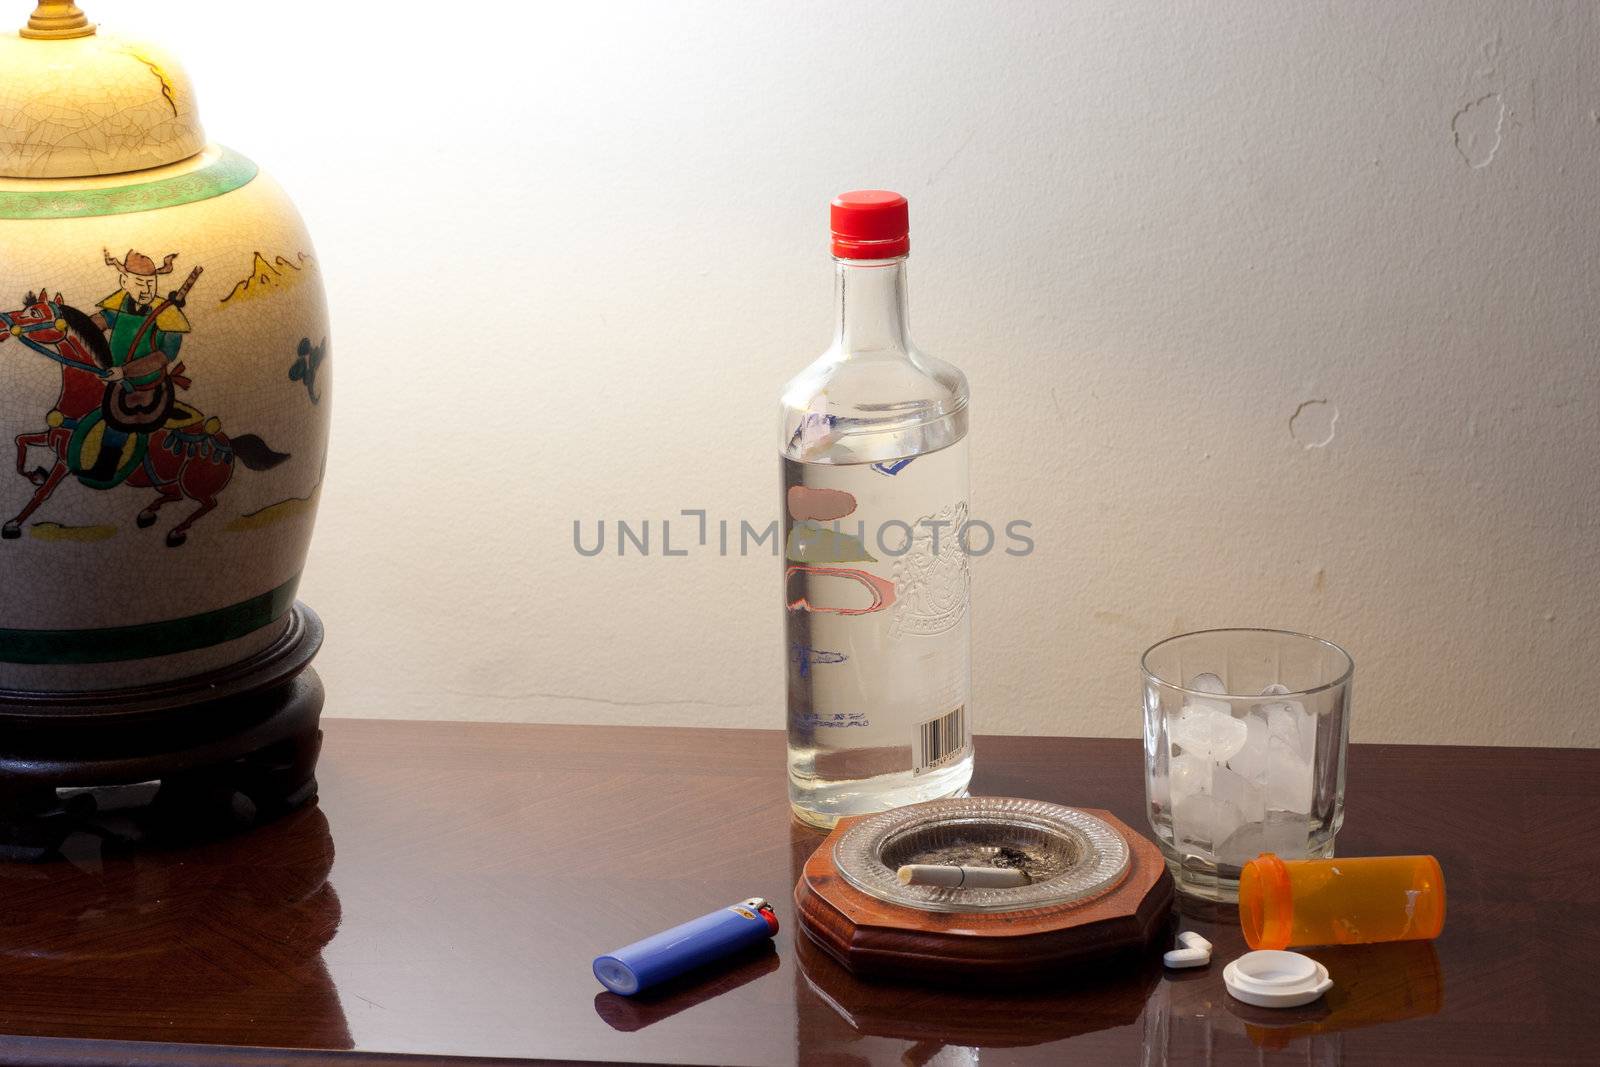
x=573, y=250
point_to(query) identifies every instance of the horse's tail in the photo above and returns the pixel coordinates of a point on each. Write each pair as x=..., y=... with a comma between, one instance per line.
x=254, y=453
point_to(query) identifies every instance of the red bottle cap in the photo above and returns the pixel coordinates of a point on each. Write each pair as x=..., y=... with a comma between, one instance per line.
x=870, y=224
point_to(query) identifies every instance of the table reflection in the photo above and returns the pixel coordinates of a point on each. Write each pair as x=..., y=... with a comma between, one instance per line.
x=203, y=934
x=1191, y=1019
x=1109, y=994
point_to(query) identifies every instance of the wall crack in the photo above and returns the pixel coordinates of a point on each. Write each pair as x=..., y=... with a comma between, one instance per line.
x=1477, y=129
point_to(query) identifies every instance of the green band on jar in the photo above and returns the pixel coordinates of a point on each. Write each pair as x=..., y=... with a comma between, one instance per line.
x=114, y=644
x=229, y=171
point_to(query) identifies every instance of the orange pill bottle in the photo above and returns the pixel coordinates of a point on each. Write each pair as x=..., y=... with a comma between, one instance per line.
x=1284, y=903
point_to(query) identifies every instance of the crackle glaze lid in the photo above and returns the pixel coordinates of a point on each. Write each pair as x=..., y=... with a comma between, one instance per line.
x=76, y=103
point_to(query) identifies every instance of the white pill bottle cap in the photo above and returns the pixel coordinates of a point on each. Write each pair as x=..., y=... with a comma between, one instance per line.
x=1273, y=978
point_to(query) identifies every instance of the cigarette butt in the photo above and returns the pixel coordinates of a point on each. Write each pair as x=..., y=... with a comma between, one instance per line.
x=962, y=877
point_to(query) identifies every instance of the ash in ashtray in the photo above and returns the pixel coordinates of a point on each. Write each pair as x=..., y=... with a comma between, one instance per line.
x=1038, y=866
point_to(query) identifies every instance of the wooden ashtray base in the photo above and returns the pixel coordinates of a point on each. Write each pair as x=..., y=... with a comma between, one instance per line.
x=874, y=938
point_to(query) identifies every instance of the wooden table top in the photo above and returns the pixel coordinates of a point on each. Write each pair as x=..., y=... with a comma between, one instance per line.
x=448, y=893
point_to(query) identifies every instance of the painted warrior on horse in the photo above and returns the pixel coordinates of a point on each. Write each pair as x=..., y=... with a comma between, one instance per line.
x=118, y=419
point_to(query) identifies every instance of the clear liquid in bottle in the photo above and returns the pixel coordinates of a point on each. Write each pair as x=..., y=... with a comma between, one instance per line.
x=877, y=584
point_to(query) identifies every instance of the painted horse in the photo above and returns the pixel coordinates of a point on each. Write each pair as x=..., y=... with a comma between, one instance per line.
x=184, y=455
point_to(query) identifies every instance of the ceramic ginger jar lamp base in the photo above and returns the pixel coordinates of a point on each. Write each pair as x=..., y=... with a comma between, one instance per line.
x=164, y=404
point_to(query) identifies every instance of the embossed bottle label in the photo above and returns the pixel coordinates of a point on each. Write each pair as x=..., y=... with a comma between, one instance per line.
x=877, y=588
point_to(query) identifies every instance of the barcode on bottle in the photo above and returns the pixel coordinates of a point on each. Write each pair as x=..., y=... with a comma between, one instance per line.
x=942, y=740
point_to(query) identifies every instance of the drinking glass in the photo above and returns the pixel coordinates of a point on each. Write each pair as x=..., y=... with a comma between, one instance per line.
x=1244, y=744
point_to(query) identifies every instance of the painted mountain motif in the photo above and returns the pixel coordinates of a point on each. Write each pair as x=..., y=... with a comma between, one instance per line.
x=266, y=278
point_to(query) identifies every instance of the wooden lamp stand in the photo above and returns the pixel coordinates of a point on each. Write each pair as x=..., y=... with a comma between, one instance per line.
x=192, y=758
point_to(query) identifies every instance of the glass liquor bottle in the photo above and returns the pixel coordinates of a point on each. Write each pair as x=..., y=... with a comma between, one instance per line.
x=876, y=578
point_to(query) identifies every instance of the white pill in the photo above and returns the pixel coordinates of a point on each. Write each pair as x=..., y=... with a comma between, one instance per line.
x=1190, y=939
x=1187, y=957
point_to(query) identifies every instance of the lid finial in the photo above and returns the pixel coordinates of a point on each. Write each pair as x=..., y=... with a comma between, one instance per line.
x=57, y=20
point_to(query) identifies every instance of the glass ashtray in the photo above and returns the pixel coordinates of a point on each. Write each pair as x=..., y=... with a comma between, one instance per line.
x=1069, y=855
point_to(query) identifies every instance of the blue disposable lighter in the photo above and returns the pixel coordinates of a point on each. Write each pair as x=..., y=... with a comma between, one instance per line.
x=683, y=948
